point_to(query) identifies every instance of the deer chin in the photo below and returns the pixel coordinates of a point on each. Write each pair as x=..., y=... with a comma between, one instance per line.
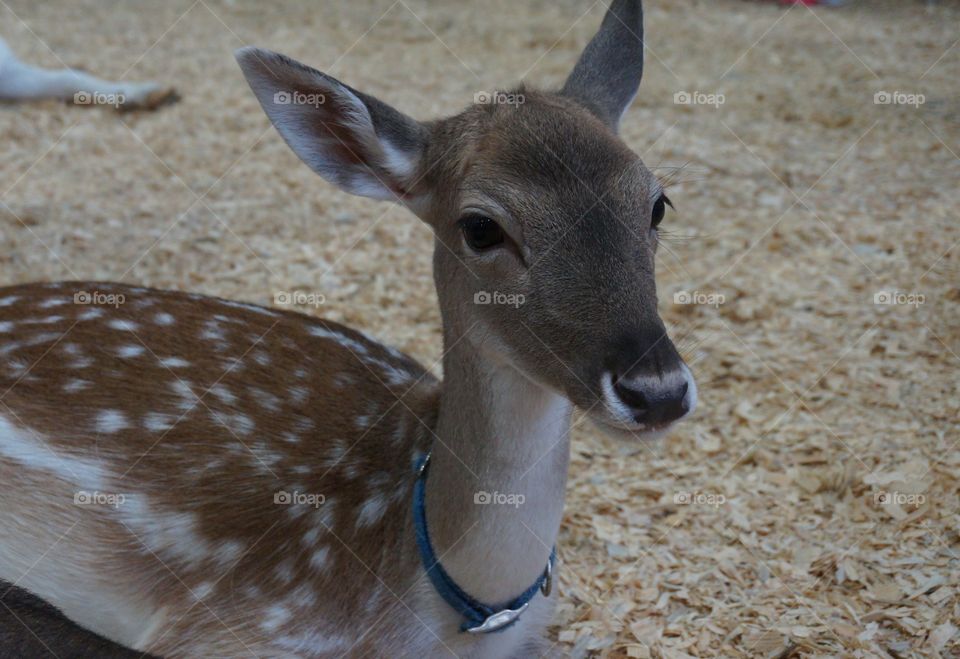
x=621, y=431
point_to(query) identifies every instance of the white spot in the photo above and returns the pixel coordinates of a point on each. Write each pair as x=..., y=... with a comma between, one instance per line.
x=310, y=538
x=182, y=390
x=277, y=615
x=223, y=394
x=16, y=367
x=304, y=596
x=204, y=589
x=43, y=337
x=266, y=399
x=124, y=325
x=238, y=423
x=53, y=302
x=7, y=301
x=213, y=332
x=230, y=551
x=174, y=362
x=299, y=394
x=81, y=362
x=320, y=559
x=165, y=532
x=285, y=571
x=157, y=421
x=325, y=514
x=343, y=380
x=49, y=320
x=110, y=421
x=76, y=384
x=6, y=326
x=371, y=511
x=130, y=351
x=10, y=347
x=163, y=318
x=90, y=314
x=261, y=358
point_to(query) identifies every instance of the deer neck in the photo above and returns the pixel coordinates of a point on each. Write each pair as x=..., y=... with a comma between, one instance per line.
x=501, y=435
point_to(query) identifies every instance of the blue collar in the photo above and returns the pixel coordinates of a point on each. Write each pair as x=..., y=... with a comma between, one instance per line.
x=479, y=618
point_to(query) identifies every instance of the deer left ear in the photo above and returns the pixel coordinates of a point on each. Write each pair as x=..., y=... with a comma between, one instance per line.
x=607, y=75
x=353, y=140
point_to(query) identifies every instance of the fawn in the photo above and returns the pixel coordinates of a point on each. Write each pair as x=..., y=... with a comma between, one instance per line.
x=192, y=476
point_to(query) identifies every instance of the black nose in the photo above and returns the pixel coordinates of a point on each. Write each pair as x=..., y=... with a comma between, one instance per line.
x=652, y=400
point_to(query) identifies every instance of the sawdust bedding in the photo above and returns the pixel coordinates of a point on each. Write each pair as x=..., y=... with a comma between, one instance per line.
x=811, y=506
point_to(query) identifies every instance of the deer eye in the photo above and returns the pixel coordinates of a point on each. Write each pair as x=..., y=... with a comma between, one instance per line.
x=481, y=232
x=659, y=209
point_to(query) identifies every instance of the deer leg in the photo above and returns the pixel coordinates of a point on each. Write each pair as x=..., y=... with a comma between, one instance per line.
x=23, y=82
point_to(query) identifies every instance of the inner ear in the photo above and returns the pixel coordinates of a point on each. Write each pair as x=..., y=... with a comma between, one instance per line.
x=353, y=140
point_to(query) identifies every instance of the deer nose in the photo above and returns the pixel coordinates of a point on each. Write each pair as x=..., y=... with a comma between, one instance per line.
x=656, y=400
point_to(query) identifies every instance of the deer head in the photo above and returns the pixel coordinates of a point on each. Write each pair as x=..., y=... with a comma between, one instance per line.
x=545, y=220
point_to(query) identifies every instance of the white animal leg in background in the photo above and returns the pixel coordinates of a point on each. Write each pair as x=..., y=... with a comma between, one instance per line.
x=23, y=82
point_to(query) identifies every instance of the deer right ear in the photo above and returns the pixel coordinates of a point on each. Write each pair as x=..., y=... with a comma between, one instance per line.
x=355, y=141
x=607, y=75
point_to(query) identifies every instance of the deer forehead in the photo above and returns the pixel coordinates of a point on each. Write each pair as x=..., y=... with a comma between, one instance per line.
x=550, y=162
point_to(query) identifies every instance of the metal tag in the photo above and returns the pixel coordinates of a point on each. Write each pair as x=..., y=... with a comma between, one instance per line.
x=498, y=620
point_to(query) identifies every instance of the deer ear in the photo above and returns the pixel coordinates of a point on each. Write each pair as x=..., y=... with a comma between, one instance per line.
x=607, y=75
x=355, y=141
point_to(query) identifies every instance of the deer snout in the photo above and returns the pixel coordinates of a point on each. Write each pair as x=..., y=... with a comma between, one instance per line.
x=652, y=399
